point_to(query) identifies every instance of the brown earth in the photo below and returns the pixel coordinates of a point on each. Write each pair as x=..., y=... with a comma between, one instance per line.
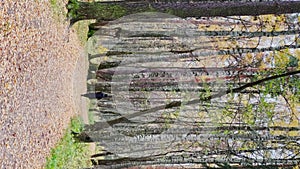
x=39, y=91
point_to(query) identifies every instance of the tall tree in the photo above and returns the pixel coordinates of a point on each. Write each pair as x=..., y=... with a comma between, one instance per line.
x=111, y=10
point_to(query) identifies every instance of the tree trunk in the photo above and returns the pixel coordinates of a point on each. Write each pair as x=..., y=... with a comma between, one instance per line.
x=107, y=11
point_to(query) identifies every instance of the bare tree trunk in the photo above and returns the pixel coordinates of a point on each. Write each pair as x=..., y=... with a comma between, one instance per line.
x=107, y=11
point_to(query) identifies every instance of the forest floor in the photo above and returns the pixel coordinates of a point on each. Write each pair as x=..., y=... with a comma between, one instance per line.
x=42, y=74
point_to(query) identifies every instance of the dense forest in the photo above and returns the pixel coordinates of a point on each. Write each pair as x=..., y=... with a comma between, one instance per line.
x=209, y=91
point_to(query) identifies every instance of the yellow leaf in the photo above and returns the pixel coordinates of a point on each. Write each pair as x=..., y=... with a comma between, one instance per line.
x=102, y=50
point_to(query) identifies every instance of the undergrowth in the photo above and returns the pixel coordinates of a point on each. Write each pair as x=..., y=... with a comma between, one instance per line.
x=68, y=153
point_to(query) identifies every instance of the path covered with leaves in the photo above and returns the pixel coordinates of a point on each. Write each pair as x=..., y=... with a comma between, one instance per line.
x=38, y=54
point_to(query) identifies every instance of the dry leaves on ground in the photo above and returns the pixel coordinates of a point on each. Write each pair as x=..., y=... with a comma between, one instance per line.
x=38, y=55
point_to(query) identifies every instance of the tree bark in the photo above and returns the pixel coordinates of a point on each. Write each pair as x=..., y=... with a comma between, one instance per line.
x=107, y=11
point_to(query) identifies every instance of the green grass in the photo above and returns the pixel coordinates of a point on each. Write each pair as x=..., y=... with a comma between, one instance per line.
x=68, y=153
x=58, y=10
x=82, y=29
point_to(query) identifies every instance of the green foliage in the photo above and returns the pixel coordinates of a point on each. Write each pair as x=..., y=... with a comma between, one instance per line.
x=118, y=11
x=97, y=10
x=53, y=2
x=72, y=6
x=249, y=115
x=293, y=61
x=267, y=108
x=68, y=153
x=169, y=118
x=272, y=90
x=91, y=32
x=206, y=93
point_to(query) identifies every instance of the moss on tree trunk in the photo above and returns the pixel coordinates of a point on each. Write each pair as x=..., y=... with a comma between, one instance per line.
x=107, y=11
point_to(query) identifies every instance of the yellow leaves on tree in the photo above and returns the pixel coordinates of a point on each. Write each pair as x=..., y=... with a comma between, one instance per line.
x=281, y=58
x=271, y=22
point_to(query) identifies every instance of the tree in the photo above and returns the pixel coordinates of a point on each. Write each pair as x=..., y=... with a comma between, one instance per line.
x=112, y=10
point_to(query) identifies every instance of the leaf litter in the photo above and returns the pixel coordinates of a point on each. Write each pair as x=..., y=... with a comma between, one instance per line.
x=38, y=56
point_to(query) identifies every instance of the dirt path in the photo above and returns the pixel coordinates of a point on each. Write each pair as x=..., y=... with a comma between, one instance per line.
x=39, y=91
x=80, y=86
